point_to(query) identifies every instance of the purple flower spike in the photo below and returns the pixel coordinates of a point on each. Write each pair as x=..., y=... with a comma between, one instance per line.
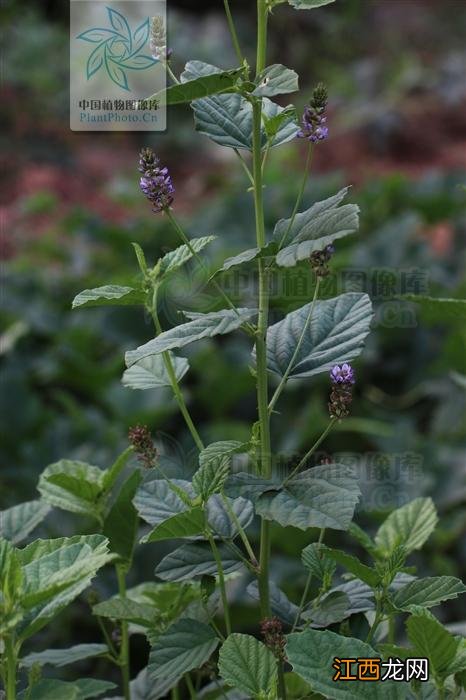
x=155, y=183
x=343, y=374
x=314, y=127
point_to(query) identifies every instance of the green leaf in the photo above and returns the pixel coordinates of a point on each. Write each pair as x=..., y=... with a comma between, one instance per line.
x=429, y=638
x=331, y=608
x=311, y=654
x=63, y=657
x=434, y=310
x=118, y=608
x=409, y=526
x=276, y=80
x=54, y=573
x=158, y=500
x=185, y=646
x=427, y=592
x=323, y=497
x=17, y=522
x=193, y=561
x=143, y=688
x=335, y=333
x=361, y=597
x=314, y=229
x=74, y=486
x=227, y=119
x=200, y=326
x=314, y=560
x=272, y=125
x=109, y=295
x=214, y=463
x=203, y=86
x=121, y=523
x=247, y=664
x=308, y=4
x=187, y=524
x=176, y=258
x=151, y=373
x=354, y=566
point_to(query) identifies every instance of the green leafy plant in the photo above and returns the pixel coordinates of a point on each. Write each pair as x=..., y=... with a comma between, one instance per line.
x=214, y=508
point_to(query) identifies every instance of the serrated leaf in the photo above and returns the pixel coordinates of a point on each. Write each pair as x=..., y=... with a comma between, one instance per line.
x=17, y=522
x=430, y=639
x=276, y=80
x=316, y=563
x=193, y=561
x=361, y=596
x=200, y=87
x=227, y=119
x=311, y=654
x=323, y=497
x=112, y=474
x=214, y=463
x=54, y=573
x=200, y=326
x=244, y=257
x=308, y=4
x=121, y=522
x=176, y=258
x=187, y=524
x=186, y=645
x=434, y=310
x=92, y=687
x=118, y=608
x=63, y=657
x=280, y=605
x=246, y=663
x=72, y=485
x=427, y=592
x=109, y=295
x=335, y=333
x=409, y=526
x=250, y=486
x=353, y=565
x=314, y=229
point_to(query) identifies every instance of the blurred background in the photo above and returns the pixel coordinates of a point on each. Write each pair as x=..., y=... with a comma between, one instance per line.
x=395, y=72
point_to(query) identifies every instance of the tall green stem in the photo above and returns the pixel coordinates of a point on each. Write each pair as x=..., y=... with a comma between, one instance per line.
x=124, y=649
x=261, y=335
x=11, y=663
x=234, y=36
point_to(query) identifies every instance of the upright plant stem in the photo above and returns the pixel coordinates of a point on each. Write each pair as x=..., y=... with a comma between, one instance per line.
x=234, y=36
x=11, y=663
x=261, y=335
x=124, y=650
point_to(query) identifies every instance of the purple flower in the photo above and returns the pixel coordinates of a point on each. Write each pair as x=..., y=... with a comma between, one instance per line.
x=155, y=183
x=343, y=374
x=313, y=119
